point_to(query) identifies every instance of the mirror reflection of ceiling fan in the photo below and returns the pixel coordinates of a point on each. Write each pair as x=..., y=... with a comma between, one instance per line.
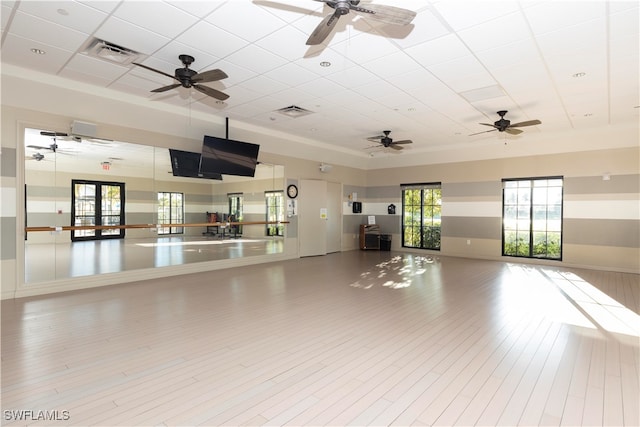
x=385, y=141
x=504, y=125
x=38, y=157
x=76, y=138
x=53, y=147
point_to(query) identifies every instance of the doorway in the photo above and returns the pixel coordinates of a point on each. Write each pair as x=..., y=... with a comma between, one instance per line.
x=320, y=218
x=96, y=203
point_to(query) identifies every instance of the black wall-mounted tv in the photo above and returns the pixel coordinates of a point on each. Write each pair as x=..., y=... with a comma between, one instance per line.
x=187, y=164
x=229, y=157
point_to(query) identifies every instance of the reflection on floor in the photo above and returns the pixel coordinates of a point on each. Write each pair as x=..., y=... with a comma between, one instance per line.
x=45, y=262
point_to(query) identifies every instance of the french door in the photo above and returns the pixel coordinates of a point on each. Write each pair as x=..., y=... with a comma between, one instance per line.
x=97, y=203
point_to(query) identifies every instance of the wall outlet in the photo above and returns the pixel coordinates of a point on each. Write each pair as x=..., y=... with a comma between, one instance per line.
x=468, y=241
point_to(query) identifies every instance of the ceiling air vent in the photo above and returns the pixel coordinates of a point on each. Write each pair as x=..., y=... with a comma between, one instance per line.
x=110, y=52
x=294, y=111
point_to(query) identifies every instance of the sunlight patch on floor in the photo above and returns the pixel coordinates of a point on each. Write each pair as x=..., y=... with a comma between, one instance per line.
x=565, y=297
x=395, y=273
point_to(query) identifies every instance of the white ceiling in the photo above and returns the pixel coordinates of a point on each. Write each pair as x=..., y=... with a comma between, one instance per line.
x=432, y=82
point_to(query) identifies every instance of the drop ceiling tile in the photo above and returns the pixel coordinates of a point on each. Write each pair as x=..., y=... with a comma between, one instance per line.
x=211, y=39
x=291, y=75
x=321, y=87
x=554, y=15
x=170, y=54
x=586, y=40
x=463, y=74
x=358, y=48
x=338, y=63
x=134, y=84
x=443, y=49
x=236, y=73
x=424, y=27
x=74, y=15
x=283, y=42
x=381, y=89
x=263, y=85
x=293, y=96
x=496, y=33
x=293, y=10
x=256, y=59
x=239, y=95
x=130, y=36
x=5, y=14
x=624, y=24
x=159, y=17
x=106, y=6
x=95, y=67
x=197, y=8
x=16, y=50
x=510, y=54
x=262, y=23
x=460, y=15
x=392, y=65
x=415, y=80
x=39, y=30
x=353, y=77
x=75, y=75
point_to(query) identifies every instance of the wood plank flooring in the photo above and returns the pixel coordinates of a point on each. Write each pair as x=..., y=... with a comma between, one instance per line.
x=353, y=338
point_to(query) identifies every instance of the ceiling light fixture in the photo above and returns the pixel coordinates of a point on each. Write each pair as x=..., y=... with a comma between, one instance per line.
x=325, y=64
x=579, y=74
x=38, y=51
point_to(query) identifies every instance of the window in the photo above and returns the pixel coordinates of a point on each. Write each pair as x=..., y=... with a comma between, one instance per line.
x=275, y=212
x=96, y=203
x=170, y=211
x=421, y=215
x=532, y=217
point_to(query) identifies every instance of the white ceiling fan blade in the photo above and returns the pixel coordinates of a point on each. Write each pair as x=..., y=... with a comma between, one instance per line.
x=387, y=14
x=322, y=30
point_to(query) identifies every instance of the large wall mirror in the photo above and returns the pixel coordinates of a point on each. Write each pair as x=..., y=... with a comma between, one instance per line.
x=95, y=206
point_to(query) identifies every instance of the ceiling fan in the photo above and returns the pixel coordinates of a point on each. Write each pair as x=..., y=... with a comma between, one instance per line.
x=53, y=147
x=504, y=125
x=36, y=156
x=188, y=78
x=383, y=13
x=387, y=142
x=75, y=138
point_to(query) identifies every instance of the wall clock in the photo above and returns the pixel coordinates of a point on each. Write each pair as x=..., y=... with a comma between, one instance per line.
x=292, y=191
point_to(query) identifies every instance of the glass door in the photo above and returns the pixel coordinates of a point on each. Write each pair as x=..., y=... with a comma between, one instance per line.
x=97, y=203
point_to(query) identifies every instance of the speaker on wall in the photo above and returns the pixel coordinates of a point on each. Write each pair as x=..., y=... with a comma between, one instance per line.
x=357, y=207
x=83, y=129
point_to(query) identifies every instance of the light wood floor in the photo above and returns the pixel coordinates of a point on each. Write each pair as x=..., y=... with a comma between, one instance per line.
x=353, y=338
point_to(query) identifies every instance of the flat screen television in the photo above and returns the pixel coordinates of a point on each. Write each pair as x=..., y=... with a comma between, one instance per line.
x=187, y=164
x=229, y=157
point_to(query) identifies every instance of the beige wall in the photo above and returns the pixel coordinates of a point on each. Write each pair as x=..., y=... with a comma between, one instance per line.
x=601, y=217
x=601, y=227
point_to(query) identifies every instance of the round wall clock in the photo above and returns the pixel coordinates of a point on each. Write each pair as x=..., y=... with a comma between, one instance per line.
x=292, y=191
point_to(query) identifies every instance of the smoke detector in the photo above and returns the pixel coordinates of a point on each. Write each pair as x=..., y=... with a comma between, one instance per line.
x=294, y=111
x=110, y=52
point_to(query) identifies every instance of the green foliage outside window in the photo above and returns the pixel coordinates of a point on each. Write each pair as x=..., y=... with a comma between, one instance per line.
x=421, y=219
